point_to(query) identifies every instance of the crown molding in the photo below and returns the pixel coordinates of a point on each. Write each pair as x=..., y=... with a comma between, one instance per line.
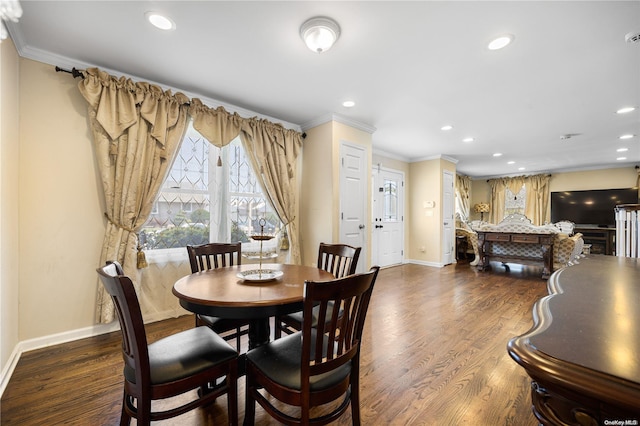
x=390, y=155
x=47, y=57
x=435, y=157
x=339, y=119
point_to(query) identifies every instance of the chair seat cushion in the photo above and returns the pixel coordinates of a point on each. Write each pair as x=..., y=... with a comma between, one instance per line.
x=184, y=354
x=280, y=361
x=220, y=325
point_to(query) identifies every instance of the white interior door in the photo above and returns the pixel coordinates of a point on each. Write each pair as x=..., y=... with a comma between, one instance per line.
x=388, y=217
x=353, y=199
x=448, y=227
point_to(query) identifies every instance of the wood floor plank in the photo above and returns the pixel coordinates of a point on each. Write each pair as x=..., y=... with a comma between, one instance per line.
x=434, y=353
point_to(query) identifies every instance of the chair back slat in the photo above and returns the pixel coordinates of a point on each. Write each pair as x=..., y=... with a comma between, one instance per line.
x=214, y=255
x=339, y=259
x=336, y=338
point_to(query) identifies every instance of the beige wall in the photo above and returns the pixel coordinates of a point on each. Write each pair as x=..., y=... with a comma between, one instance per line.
x=9, y=200
x=61, y=216
x=424, y=233
x=624, y=177
x=320, y=193
x=316, y=199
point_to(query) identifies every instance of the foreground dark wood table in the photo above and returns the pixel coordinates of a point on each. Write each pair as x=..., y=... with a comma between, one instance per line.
x=219, y=292
x=583, y=352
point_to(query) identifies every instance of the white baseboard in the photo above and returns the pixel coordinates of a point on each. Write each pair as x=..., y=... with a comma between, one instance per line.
x=423, y=263
x=68, y=336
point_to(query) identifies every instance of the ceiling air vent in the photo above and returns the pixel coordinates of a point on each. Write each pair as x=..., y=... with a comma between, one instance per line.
x=632, y=37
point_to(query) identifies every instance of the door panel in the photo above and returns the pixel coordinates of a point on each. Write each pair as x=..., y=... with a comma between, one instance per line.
x=353, y=202
x=388, y=223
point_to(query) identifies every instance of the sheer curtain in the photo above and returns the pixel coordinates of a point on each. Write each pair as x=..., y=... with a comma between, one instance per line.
x=498, y=187
x=137, y=128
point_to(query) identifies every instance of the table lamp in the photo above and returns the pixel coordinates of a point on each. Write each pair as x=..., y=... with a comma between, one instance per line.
x=481, y=208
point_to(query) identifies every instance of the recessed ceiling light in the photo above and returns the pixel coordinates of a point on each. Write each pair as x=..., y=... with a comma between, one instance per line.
x=447, y=127
x=348, y=104
x=160, y=21
x=625, y=110
x=628, y=136
x=497, y=154
x=500, y=42
x=520, y=168
x=622, y=149
x=467, y=140
x=511, y=162
x=621, y=158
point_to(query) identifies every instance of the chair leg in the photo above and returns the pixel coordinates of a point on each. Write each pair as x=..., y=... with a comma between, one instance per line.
x=125, y=418
x=249, y=402
x=355, y=401
x=232, y=393
x=277, y=331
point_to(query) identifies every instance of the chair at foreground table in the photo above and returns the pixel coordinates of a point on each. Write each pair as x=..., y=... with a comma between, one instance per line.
x=339, y=259
x=212, y=256
x=170, y=366
x=319, y=364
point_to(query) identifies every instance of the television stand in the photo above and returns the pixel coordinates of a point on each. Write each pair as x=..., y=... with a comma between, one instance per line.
x=602, y=239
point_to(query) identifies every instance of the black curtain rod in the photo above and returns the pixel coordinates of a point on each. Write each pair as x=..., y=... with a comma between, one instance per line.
x=74, y=72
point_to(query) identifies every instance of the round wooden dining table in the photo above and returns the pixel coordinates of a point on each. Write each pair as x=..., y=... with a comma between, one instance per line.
x=222, y=293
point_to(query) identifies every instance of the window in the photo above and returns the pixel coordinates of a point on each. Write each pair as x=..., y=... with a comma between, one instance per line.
x=514, y=203
x=210, y=194
x=390, y=213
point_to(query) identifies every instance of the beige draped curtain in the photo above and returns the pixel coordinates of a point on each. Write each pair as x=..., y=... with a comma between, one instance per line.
x=497, y=199
x=463, y=189
x=272, y=150
x=537, y=207
x=137, y=128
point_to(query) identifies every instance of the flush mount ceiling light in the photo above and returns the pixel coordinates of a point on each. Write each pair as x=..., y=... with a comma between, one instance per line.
x=500, y=42
x=497, y=154
x=320, y=33
x=467, y=140
x=447, y=127
x=348, y=104
x=160, y=21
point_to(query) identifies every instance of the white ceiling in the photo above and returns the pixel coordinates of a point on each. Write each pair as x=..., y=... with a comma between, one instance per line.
x=411, y=67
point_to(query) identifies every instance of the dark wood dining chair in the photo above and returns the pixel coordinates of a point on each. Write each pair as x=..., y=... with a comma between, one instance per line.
x=339, y=259
x=319, y=364
x=170, y=366
x=212, y=256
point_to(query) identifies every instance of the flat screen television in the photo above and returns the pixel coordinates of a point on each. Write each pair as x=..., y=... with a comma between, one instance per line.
x=595, y=207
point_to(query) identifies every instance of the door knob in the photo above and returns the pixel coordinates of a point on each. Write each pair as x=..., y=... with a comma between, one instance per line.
x=361, y=226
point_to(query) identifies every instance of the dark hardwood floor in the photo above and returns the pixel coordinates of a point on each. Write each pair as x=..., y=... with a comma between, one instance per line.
x=434, y=353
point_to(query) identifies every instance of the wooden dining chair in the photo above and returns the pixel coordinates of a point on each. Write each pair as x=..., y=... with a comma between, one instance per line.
x=212, y=256
x=170, y=366
x=319, y=364
x=339, y=259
